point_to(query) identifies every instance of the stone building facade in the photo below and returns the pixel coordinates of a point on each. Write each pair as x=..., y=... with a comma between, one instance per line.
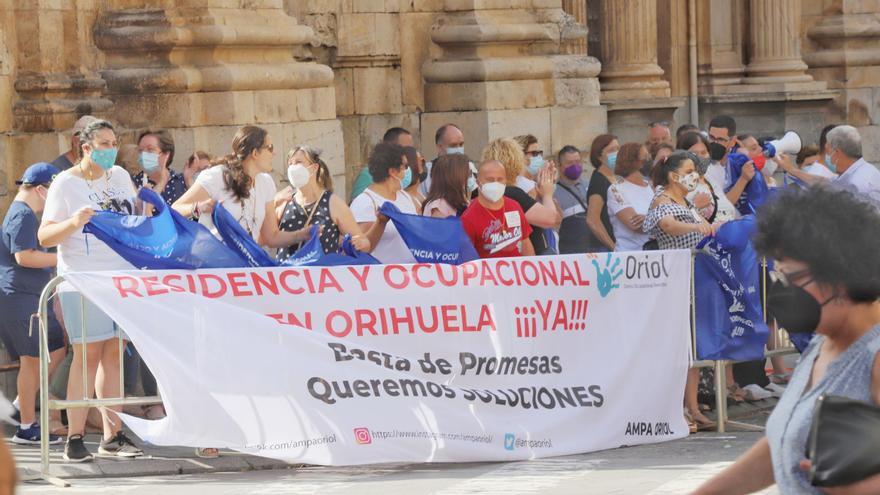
x=337, y=73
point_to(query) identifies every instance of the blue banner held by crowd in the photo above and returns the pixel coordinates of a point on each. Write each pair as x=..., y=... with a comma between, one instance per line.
x=164, y=241
x=729, y=316
x=235, y=238
x=432, y=240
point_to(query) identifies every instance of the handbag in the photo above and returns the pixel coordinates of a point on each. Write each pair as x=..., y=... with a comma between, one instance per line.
x=844, y=441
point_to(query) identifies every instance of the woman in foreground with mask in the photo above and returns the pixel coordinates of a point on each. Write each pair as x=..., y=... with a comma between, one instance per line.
x=676, y=224
x=836, y=293
x=314, y=203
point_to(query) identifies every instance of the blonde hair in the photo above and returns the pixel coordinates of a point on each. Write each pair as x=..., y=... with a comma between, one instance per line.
x=508, y=153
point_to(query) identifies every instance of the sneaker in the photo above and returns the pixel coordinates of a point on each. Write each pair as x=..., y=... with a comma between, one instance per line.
x=75, y=450
x=31, y=436
x=119, y=446
x=754, y=392
x=775, y=389
x=16, y=417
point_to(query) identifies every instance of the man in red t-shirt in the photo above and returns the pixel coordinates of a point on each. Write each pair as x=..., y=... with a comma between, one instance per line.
x=496, y=224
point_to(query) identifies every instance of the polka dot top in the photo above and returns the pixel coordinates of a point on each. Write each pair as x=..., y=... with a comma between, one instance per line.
x=295, y=216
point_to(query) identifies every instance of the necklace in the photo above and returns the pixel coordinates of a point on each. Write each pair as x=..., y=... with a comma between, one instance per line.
x=89, y=180
x=249, y=226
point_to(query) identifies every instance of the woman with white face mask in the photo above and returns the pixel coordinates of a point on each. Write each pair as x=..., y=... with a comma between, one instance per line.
x=676, y=224
x=314, y=203
x=672, y=220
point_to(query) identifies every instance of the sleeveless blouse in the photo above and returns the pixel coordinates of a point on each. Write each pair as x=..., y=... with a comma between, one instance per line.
x=849, y=375
x=295, y=216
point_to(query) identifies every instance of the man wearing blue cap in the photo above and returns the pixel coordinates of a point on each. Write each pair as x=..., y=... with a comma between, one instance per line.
x=25, y=269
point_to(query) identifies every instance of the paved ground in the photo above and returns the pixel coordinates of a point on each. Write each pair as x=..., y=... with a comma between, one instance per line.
x=669, y=468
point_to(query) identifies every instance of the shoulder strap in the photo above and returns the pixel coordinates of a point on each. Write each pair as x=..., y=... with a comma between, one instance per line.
x=576, y=197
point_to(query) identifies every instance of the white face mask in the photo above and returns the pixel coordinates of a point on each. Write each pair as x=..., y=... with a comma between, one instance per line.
x=298, y=175
x=689, y=181
x=493, y=191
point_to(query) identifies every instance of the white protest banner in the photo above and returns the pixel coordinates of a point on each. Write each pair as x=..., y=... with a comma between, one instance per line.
x=490, y=360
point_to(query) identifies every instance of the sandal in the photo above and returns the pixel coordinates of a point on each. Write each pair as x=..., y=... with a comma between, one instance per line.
x=208, y=453
x=736, y=393
x=154, y=412
x=702, y=422
x=692, y=426
x=780, y=378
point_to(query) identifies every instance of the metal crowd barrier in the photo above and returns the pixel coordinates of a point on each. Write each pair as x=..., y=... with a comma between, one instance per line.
x=46, y=403
x=783, y=347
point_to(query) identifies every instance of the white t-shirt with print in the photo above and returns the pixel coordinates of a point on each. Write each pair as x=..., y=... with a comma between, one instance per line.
x=391, y=248
x=249, y=212
x=625, y=195
x=68, y=193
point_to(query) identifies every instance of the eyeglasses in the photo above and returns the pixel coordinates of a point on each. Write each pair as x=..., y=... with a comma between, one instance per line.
x=786, y=279
x=535, y=153
x=270, y=147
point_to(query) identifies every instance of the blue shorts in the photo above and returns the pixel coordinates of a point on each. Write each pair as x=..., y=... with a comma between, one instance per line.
x=19, y=341
x=99, y=326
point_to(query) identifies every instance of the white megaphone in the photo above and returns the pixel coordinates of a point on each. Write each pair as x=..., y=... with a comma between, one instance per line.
x=789, y=144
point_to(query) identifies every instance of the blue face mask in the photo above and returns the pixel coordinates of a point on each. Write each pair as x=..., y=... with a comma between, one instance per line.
x=455, y=151
x=104, y=158
x=612, y=160
x=536, y=163
x=830, y=165
x=148, y=161
x=471, y=184
x=407, y=179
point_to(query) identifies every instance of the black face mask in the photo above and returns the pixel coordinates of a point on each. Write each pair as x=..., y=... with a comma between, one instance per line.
x=717, y=151
x=702, y=166
x=423, y=177
x=794, y=308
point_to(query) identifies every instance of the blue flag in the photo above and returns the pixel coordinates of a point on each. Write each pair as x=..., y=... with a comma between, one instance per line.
x=432, y=240
x=349, y=256
x=729, y=317
x=756, y=191
x=310, y=253
x=164, y=241
x=236, y=239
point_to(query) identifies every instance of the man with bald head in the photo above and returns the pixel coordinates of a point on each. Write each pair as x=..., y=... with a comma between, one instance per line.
x=496, y=224
x=449, y=141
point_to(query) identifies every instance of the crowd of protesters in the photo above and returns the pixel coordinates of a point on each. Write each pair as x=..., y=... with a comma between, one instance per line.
x=514, y=199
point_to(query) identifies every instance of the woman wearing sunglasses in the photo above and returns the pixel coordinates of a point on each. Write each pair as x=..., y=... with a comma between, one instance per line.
x=241, y=181
x=827, y=281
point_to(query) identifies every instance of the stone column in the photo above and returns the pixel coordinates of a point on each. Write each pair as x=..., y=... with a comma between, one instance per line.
x=577, y=9
x=774, y=42
x=720, y=45
x=55, y=83
x=203, y=70
x=846, y=54
x=500, y=70
x=629, y=51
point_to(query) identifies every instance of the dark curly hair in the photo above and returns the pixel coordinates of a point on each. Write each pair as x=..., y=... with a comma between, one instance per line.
x=811, y=225
x=384, y=157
